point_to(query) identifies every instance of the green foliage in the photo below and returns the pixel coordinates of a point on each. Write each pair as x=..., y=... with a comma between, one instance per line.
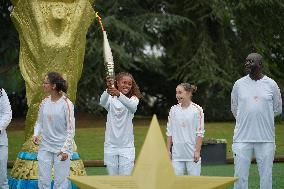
x=211, y=51
x=130, y=25
x=10, y=77
x=197, y=41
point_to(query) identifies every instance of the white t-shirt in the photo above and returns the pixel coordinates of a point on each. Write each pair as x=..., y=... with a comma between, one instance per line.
x=184, y=125
x=119, y=126
x=254, y=105
x=56, y=123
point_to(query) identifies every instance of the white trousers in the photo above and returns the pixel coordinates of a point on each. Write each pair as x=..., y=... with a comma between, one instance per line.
x=123, y=166
x=264, y=154
x=3, y=167
x=192, y=168
x=119, y=161
x=46, y=160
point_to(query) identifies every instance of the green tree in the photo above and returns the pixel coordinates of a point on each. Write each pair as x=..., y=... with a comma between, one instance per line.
x=8, y=50
x=131, y=26
x=210, y=51
x=10, y=76
x=166, y=42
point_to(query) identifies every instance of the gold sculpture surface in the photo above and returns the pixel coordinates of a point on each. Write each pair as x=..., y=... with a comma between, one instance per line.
x=52, y=37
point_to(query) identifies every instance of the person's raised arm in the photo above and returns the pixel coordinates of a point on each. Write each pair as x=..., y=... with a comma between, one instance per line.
x=130, y=103
x=104, y=100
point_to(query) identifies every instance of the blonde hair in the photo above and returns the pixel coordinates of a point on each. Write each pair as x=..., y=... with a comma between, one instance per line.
x=188, y=87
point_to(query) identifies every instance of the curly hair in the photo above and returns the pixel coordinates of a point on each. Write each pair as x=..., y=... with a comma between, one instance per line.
x=134, y=91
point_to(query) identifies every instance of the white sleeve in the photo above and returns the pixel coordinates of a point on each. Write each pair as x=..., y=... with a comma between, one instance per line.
x=200, y=124
x=234, y=101
x=104, y=100
x=277, y=101
x=130, y=103
x=70, y=120
x=38, y=124
x=169, y=124
x=6, y=116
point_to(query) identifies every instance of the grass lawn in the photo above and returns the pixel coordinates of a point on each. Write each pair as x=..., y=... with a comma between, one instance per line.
x=224, y=170
x=90, y=137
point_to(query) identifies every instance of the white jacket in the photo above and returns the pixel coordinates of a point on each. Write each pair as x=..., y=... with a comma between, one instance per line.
x=184, y=125
x=254, y=105
x=5, y=116
x=56, y=123
x=119, y=127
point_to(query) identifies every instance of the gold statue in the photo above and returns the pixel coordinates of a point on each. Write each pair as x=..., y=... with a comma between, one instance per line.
x=52, y=38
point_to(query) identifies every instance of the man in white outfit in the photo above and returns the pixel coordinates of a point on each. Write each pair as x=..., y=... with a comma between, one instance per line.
x=5, y=119
x=255, y=101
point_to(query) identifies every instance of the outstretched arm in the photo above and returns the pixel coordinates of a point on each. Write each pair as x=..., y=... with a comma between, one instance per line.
x=130, y=103
x=104, y=100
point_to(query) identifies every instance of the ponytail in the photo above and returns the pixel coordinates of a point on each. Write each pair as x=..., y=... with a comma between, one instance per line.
x=57, y=79
x=188, y=87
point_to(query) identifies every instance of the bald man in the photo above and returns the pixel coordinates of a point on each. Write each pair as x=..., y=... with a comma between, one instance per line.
x=255, y=101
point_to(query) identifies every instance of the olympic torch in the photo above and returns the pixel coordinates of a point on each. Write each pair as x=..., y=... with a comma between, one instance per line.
x=108, y=59
x=109, y=64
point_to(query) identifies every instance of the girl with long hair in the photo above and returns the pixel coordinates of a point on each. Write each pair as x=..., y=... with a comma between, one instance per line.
x=120, y=100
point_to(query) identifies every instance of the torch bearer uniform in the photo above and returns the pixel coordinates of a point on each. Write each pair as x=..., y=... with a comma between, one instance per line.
x=5, y=119
x=184, y=126
x=119, y=150
x=254, y=105
x=56, y=124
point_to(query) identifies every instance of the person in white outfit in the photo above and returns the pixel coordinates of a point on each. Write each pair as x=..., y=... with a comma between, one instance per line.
x=120, y=100
x=185, y=131
x=5, y=119
x=255, y=101
x=54, y=130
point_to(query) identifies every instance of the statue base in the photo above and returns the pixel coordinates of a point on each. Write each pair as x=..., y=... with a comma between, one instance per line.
x=24, y=174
